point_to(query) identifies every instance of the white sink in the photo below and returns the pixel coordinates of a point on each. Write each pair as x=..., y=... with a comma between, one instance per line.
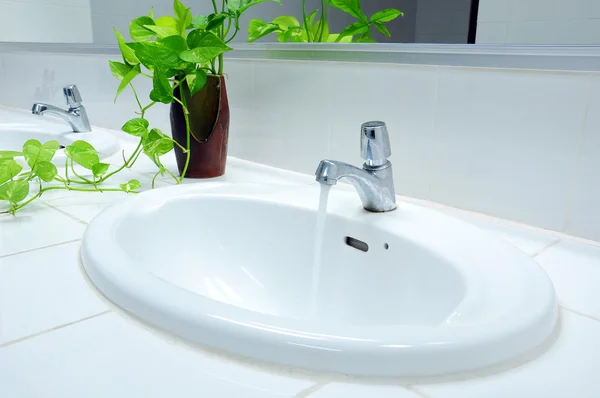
x=18, y=127
x=230, y=266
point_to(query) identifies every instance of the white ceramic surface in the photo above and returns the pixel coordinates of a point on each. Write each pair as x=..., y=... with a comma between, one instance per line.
x=16, y=127
x=230, y=266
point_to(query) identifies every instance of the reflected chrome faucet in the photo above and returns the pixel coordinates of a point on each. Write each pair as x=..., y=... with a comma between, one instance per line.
x=76, y=115
x=374, y=182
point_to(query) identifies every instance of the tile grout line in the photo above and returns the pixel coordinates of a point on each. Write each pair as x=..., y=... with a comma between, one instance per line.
x=548, y=246
x=314, y=388
x=40, y=248
x=412, y=389
x=43, y=332
x=72, y=217
x=593, y=318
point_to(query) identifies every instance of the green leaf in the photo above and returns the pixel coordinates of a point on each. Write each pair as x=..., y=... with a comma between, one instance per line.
x=119, y=69
x=215, y=21
x=9, y=154
x=131, y=186
x=127, y=52
x=46, y=171
x=333, y=38
x=352, y=7
x=99, y=169
x=162, y=90
x=162, y=54
x=34, y=151
x=250, y=3
x=200, y=22
x=311, y=18
x=9, y=168
x=167, y=21
x=183, y=14
x=356, y=28
x=157, y=143
x=386, y=15
x=320, y=34
x=381, y=27
x=285, y=23
x=365, y=38
x=257, y=28
x=82, y=153
x=137, y=127
x=136, y=70
x=162, y=31
x=198, y=81
x=138, y=30
x=209, y=46
x=151, y=13
x=14, y=191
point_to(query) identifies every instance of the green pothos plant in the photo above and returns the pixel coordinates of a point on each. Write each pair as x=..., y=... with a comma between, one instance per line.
x=171, y=51
x=313, y=29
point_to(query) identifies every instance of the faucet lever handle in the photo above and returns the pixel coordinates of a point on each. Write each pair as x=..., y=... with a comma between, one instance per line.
x=375, y=145
x=72, y=95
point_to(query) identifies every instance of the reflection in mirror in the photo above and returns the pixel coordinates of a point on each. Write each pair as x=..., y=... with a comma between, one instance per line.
x=560, y=22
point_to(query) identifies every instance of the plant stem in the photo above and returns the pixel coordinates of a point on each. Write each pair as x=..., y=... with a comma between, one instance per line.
x=137, y=99
x=129, y=161
x=214, y=3
x=188, y=145
x=308, y=36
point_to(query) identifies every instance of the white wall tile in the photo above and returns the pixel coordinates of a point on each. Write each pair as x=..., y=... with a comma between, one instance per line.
x=291, y=114
x=494, y=11
x=568, y=369
x=505, y=140
x=95, y=359
x=43, y=22
x=43, y=289
x=584, y=219
x=402, y=96
x=492, y=32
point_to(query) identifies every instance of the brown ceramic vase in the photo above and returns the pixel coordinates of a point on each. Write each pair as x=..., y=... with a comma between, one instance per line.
x=209, y=123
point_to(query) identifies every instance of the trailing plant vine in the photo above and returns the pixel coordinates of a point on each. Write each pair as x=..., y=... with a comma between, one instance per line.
x=173, y=51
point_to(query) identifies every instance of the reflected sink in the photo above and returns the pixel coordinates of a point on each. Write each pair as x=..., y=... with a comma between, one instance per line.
x=16, y=128
x=230, y=266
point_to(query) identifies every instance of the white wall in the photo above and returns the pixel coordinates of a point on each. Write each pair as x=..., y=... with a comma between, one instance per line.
x=538, y=22
x=45, y=21
x=517, y=144
x=119, y=13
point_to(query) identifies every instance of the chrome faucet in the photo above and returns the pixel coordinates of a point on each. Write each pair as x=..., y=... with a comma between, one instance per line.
x=76, y=115
x=374, y=182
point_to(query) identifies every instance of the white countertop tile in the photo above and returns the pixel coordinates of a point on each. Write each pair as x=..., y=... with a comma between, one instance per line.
x=574, y=268
x=568, y=369
x=43, y=289
x=36, y=226
x=108, y=356
x=75, y=352
x=342, y=390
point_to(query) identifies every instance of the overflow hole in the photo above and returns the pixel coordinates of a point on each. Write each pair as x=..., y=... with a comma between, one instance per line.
x=357, y=244
x=386, y=246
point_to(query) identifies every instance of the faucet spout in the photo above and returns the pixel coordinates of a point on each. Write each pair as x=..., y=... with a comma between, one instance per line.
x=76, y=115
x=374, y=184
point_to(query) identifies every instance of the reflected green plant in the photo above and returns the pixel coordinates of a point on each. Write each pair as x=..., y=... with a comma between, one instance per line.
x=312, y=30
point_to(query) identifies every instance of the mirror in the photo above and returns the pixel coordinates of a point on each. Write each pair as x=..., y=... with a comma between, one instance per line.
x=533, y=22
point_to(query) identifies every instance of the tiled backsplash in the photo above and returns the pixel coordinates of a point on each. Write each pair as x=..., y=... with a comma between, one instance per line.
x=45, y=21
x=521, y=145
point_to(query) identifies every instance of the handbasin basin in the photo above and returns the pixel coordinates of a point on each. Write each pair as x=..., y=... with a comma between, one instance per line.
x=16, y=128
x=408, y=293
